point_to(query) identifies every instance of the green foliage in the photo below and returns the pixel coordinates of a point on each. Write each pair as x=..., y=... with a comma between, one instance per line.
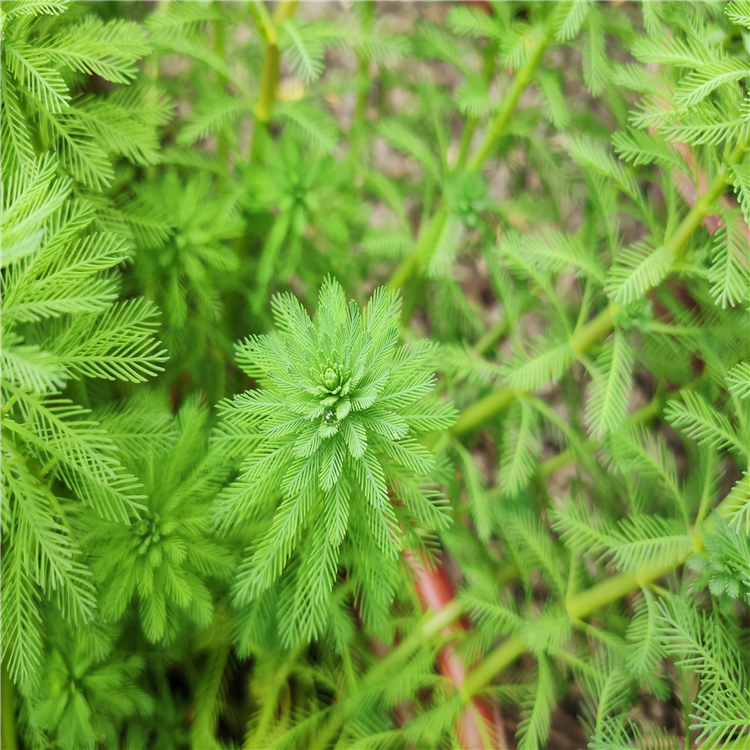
x=299, y=542
x=183, y=261
x=45, y=45
x=725, y=565
x=85, y=690
x=163, y=556
x=705, y=645
x=60, y=323
x=313, y=218
x=336, y=460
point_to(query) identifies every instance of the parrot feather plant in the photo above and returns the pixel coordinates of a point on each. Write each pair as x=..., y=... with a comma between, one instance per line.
x=477, y=473
x=336, y=430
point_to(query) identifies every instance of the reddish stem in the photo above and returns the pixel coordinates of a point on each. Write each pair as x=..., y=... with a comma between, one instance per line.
x=480, y=721
x=686, y=187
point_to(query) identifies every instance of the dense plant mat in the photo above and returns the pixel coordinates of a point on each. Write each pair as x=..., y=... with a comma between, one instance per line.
x=375, y=376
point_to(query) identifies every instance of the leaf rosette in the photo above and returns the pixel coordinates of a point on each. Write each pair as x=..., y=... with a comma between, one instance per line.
x=334, y=455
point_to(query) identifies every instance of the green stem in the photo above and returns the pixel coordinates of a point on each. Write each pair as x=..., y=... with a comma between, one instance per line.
x=701, y=207
x=208, y=689
x=7, y=714
x=587, y=335
x=482, y=346
x=478, y=413
x=582, y=605
x=6, y=407
x=271, y=698
x=411, y=262
x=520, y=82
x=587, y=602
x=263, y=21
x=492, y=336
x=470, y=126
x=493, y=664
x=644, y=414
x=522, y=78
x=339, y=715
x=285, y=11
x=555, y=463
x=466, y=135
x=220, y=48
x=364, y=82
x=269, y=76
x=432, y=624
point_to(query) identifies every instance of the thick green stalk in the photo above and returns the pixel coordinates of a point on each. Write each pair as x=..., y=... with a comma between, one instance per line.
x=269, y=76
x=7, y=716
x=586, y=336
x=470, y=125
x=494, y=663
x=478, y=413
x=285, y=11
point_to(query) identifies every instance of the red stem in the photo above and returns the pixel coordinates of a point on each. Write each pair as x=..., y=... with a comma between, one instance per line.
x=480, y=721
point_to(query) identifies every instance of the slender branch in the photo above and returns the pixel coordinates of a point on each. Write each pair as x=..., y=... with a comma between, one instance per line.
x=479, y=726
x=498, y=127
x=646, y=413
x=263, y=21
x=579, y=602
x=271, y=698
x=470, y=126
x=587, y=335
x=520, y=82
x=434, y=227
x=582, y=605
x=493, y=335
x=586, y=447
x=555, y=463
x=209, y=687
x=433, y=623
x=220, y=48
x=285, y=11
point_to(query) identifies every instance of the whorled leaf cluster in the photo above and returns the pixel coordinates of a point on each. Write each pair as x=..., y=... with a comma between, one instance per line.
x=336, y=454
